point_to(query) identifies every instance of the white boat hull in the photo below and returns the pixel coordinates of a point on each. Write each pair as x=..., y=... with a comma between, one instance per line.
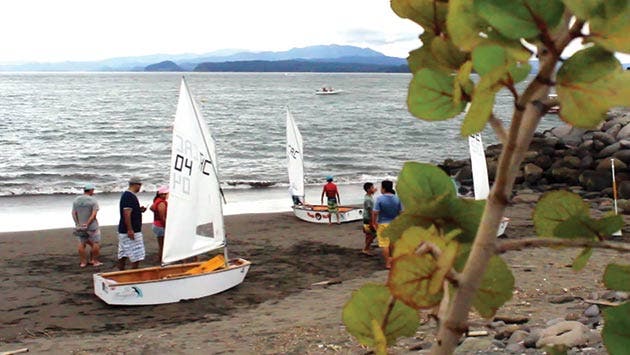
x=319, y=213
x=335, y=92
x=153, y=286
x=502, y=226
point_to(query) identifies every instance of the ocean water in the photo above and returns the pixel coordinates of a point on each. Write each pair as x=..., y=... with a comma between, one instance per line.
x=60, y=130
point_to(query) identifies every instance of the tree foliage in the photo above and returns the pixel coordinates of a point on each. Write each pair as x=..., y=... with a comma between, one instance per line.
x=470, y=50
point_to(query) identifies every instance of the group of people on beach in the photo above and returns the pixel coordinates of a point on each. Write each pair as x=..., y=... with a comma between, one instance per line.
x=377, y=215
x=130, y=239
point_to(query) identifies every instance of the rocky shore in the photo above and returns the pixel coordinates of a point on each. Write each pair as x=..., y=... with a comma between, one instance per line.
x=567, y=158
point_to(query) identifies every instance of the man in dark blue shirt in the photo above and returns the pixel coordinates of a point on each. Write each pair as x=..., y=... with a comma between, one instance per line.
x=130, y=240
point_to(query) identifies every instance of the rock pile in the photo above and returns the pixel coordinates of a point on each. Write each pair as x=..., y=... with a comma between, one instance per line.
x=567, y=158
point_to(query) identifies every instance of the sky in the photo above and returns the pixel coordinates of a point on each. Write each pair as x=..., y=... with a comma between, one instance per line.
x=77, y=30
x=89, y=30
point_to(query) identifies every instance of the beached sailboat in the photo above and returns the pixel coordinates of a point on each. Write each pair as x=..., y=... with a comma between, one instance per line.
x=195, y=226
x=481, y=185
x=295, y=161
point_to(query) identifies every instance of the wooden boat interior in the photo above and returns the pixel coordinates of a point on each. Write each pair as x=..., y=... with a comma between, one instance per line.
x=165, y=272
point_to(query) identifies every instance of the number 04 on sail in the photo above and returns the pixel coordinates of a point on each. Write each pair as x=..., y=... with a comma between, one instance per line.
x=194, y=226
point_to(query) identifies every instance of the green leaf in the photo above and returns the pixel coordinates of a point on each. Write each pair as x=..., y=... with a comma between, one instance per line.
x=575, y=227
x=486, y=58
x=616, y=332
x=445, y=52
x=554, y=208
x=409, y=280
x=430, y=96
x=609, y=22
x=425, y=189
x=617, y=277
x=429, y=14
x=513, y=47
x=463, y=84
x=496, y=288
x=402, y=222
x=479, y=111
x=584, y=9
x=444, y=265
x=414, y=236
x=580, y=262
x=463, y=24
x=607, y=226
x=423, y=57
x=466, y=215
x=370, y=303
x=588, y=84
x=520, y=18
x=519, y=72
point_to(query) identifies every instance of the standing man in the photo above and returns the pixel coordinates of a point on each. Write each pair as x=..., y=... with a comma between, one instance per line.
x=386, y=209
x=368, y=226
x=130, y=241
x=332, y=195
x=84, y=209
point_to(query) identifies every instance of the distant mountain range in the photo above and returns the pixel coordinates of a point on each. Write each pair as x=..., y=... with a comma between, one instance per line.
x=335, y=58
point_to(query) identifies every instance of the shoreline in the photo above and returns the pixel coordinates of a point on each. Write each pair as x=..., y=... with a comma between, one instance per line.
x=53, y=211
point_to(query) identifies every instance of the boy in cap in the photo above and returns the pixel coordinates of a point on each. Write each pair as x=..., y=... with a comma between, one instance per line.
x=84, y=210
x=332, y=195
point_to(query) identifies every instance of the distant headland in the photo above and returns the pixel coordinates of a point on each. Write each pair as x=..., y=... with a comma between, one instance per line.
x=321, y=58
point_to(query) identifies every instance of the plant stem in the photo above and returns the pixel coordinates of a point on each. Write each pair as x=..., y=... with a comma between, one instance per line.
x=518, y=244
x=524, y=122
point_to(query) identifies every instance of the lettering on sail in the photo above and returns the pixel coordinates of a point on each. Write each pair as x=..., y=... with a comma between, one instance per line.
x=292, y=151
x=185, y=164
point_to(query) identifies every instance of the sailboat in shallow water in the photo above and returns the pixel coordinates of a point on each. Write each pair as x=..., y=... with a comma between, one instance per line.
x=195, y=225
x=481, y=185
x=295, y=162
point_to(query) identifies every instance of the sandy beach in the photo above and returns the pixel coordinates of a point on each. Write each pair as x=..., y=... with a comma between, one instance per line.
x=48, y=303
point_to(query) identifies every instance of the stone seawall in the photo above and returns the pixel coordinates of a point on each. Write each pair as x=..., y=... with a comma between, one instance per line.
x=566, y=158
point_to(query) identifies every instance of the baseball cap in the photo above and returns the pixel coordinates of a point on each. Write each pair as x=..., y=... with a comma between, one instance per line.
x=329, y=178
x=135, y=180
x=88, y=187
x=163, y=189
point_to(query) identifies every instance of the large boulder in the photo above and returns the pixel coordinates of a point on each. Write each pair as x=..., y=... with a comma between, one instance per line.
x=606, y=165
x=568, y=135
x=612, y=131
x=624, y=133
x=595, y=180
x=604, y=137
x=623, y=155
x=532, y=173
x=624, y=190
x=565, y=175
x=609, y=150
x=544, y=161
x=571, y=162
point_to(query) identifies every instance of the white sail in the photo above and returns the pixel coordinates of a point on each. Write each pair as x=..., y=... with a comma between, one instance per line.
x=295, y=157
x=479, y=167
x=195, y=217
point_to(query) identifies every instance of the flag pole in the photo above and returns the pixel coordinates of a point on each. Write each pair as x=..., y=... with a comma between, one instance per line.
x=614, y=185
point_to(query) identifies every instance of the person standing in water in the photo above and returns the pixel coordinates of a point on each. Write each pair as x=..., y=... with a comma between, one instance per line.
x=159, y=207
x=332, y=196
x=386, y=208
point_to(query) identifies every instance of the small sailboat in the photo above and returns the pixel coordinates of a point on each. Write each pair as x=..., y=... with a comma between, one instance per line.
x=195, y=226
x=481, y=185
x=295, y=162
